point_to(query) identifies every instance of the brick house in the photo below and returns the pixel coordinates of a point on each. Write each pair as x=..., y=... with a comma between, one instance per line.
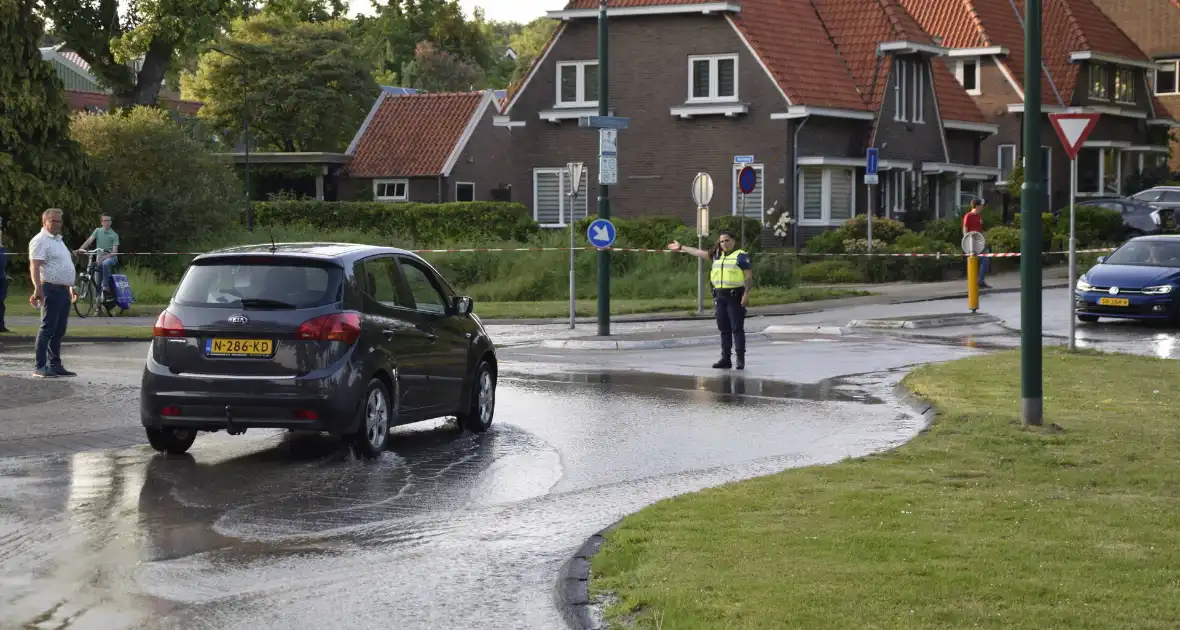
x=429, y=148
x=1089, y=65
x=1155, y=26
x=83, y=92
x=804, y=86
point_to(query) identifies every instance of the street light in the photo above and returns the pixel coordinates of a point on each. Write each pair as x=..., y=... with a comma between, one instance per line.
x=246, y=126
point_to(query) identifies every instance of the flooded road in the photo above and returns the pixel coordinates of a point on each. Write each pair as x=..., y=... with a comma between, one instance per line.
x=447, y=530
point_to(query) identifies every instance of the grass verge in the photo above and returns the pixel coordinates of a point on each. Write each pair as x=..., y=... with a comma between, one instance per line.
x=978, y=522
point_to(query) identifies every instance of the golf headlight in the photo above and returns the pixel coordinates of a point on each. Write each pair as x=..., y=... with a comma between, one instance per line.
x=1160, y=290
x=1083, y=285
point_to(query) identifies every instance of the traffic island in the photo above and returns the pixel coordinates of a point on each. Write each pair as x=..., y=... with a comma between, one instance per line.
x=979, y=521
x=922, y=322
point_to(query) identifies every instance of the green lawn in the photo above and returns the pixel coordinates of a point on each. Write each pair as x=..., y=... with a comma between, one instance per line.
x=978, y=522
x=18, y=304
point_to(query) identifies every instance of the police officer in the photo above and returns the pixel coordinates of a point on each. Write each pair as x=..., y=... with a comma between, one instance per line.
x=732, y=277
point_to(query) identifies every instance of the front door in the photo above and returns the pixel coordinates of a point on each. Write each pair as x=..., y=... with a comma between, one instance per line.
x=447, y=367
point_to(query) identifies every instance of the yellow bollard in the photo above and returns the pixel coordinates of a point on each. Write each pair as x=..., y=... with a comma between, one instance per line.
x=973, y=283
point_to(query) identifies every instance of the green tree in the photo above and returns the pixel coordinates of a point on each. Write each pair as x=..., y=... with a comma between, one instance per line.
x=164, y=188
x=392, y=35
x=529, y=42
x=132, y=51
x=435, y=70
x=308, y=85
x=40, y=166
x=306, y=10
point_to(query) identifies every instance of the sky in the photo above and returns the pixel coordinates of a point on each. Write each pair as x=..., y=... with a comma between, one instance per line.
x=501, y=10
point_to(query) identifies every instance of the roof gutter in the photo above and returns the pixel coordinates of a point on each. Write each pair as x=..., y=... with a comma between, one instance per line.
x=1090, y=55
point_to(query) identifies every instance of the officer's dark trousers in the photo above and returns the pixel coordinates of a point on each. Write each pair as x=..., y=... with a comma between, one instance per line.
x=731, y=320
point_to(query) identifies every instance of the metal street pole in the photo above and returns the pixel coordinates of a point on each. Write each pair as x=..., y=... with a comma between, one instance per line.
x=872, y=211
x=700, y=277
x=1031, y=377
x=1073, y=187
x=246, y=124
x=573, y=202
x=603, y=189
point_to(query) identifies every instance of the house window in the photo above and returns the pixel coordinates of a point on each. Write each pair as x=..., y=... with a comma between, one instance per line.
x=712, y=78
x=1165, y=77
x=826, y=195
x=967, y=72
x=755, y=201
x=899, y=90
x=919, y=85
x=1005, y=161
x=391, y=189
x=1099, y=83
x=1124, y=86
x=464, y=191
x=577, y=84
x=896, y=192
x=1099, y=171
x=552, y=204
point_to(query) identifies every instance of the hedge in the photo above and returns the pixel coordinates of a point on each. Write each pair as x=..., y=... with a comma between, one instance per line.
x=423, y=224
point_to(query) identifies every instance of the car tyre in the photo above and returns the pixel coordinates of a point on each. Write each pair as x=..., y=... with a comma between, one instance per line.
x=481, y=407
x=373, y=421
x=171, y=440
x=1089, y=319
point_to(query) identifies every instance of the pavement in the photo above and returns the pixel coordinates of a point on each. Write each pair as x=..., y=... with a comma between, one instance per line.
x=448, y=529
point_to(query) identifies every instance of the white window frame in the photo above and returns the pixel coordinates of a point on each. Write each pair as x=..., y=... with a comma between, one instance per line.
x=919, y=96
x=714, y=86
x=563, y=206
x=896, y=184
x=580, y=101
x=759, y=169
x=1129, y=72
x=900, y=70
x=1105, y=95
x=405, y=183
x=1174, y=64
x=1000, y=161
x=1118, y=180
x=961, y=74
x=458, y=184
x=825, y=196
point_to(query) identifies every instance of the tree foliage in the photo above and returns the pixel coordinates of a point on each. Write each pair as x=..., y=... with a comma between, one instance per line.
x=132, y=51
x=435, y=70
x=164, y=189
x=307, y=85
x=40, y=166
x=391, y=37
x=529, y=42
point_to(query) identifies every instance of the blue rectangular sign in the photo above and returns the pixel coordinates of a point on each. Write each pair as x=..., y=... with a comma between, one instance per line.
x=604, y=122
x=743, y=159
x=871, y=161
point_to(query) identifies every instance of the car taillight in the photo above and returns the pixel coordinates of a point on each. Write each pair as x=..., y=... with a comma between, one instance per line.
x=168, y=325
x=344, y=327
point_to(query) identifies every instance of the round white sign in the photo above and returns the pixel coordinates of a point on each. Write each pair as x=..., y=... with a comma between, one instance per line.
x=974, y=243
x=702, y=189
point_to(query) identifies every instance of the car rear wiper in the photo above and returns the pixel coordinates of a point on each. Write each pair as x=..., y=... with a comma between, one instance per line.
x=265, y=303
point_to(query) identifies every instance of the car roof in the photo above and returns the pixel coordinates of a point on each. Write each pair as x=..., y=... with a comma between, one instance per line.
x=339, y=252
x=1162, y=238
x=1161, y=188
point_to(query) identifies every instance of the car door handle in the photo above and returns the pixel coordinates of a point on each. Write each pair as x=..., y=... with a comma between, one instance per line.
x=388, y=332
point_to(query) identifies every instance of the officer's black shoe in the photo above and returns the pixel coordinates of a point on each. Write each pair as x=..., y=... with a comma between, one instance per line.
x=741, y=361
x=723, y=364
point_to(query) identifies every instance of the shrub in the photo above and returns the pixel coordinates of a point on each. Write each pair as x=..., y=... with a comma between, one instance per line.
x=831, y=272
x=163, y=189
x=427, y=224
x=884, y=230
x=1093, y=226
x=830, y=242
x=1003, y=239
x=775, y=271
x=948, y=231
x=641, y=233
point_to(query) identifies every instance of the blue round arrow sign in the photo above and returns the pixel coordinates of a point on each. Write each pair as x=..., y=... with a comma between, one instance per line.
x=601, y=233
x=747, y=180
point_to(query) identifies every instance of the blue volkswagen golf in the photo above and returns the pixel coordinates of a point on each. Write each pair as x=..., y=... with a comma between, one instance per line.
x=1139, y=280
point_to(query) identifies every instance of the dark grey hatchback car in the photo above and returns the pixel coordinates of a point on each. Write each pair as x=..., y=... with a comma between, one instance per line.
x=340, y=338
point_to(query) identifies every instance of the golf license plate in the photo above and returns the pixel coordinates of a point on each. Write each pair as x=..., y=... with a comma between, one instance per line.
x=1114, y=302
x=239, y=347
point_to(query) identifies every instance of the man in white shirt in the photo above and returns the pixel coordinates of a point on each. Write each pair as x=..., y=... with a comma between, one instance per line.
x=52, y=271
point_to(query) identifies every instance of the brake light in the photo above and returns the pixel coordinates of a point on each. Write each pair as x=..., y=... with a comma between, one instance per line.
x=306, y=414
x=170, y=411
x=168, y=325
x=344, y=327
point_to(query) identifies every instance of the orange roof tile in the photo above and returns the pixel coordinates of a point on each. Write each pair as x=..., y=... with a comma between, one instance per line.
x=412, y=135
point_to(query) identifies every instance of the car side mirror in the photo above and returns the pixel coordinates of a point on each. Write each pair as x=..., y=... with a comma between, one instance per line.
x=1101, y=259
x=464, y=305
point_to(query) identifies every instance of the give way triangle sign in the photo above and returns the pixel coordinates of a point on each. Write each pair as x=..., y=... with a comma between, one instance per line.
x=1073, y=129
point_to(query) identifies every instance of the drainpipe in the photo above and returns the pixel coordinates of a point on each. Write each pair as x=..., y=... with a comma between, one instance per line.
x=795, y=211
x=440, y=188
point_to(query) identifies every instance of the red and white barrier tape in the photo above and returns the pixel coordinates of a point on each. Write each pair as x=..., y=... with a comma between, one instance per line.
x=489, y=250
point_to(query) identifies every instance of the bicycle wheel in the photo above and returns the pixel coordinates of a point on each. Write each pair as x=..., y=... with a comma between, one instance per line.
x=87, y=297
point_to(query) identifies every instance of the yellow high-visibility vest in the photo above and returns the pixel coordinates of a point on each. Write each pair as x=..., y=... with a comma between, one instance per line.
x=725, y=273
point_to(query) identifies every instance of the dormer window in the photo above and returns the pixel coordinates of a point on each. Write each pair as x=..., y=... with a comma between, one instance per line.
x=1165, y=77
x=909, y=94
x=1099, y=83
x=577, y=84
x=967, y=72
x=712, y=78
x=1124, y=86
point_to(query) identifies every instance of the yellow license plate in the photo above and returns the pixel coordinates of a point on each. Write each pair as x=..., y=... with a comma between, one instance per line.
x=240, y=347
x=1114, y=302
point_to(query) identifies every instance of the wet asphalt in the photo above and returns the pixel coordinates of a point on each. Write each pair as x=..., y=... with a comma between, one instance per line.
x=448, y=529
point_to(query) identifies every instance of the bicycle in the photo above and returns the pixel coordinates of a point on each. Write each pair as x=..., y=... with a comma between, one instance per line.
x=87, y=287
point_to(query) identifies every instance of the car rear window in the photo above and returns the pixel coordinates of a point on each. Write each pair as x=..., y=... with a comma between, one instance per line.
x=262, y=283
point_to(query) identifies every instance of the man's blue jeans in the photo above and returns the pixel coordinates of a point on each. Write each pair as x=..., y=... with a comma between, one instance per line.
x=55, y=314
x=105, y=269
x=985, y=265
